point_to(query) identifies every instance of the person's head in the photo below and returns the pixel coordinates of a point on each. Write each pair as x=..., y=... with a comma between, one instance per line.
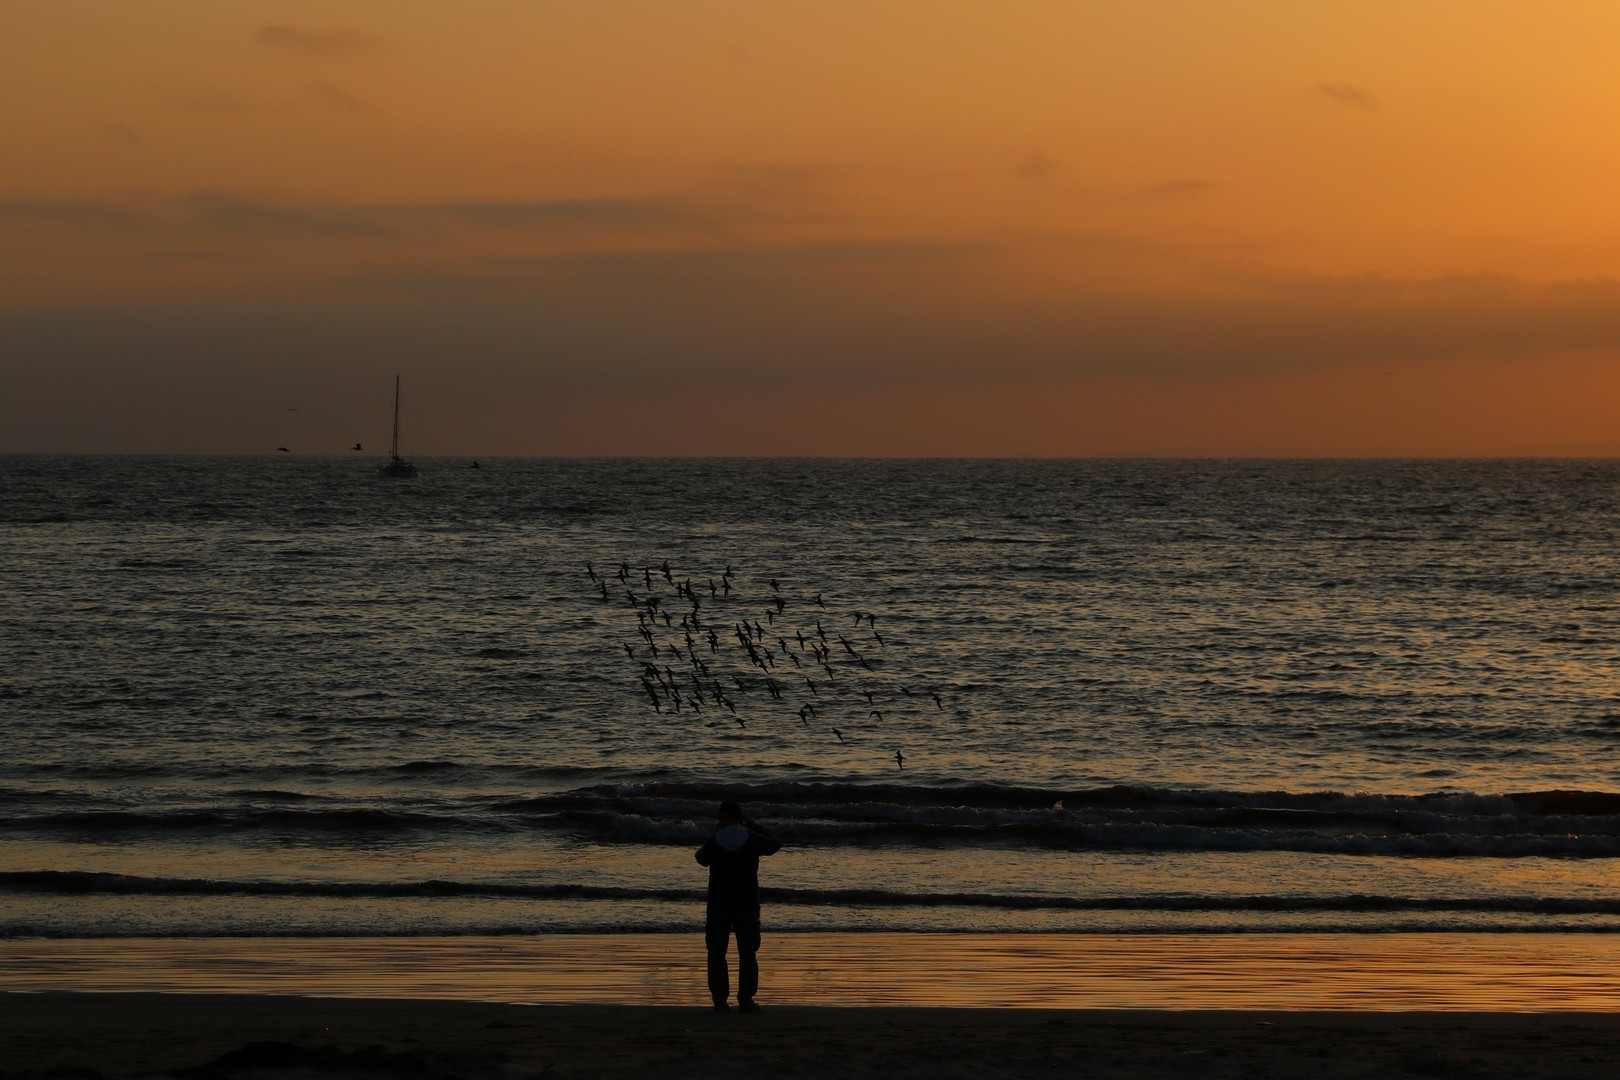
x=730, y=813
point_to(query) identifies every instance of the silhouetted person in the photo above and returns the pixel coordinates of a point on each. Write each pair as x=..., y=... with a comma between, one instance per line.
x=732, y=855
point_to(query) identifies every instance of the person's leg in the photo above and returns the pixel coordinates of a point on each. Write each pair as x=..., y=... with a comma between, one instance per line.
x=716, y=929
x=746, y=923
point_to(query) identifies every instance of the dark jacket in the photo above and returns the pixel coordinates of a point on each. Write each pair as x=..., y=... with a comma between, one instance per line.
x=732, y=855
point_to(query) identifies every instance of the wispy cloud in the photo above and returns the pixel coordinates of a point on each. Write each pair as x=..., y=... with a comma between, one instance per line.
x=119, y=132
x=916, y=311
x=212, y=100
x=597, y=213
x=1037, y=165
x=1351, y=96
x=335, y=99
x=68, y=212
x=246, y=216
x=712, y=290
x=232, y=213
x=763, y=320
x=1185, y=188
x=703, y=319
x=303, y=41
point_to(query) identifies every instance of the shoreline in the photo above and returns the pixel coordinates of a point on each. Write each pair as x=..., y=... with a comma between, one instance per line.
x=213, y=1037
x=1408, y=973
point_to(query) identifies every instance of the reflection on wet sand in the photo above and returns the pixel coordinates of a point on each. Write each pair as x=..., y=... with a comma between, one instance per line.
x=1378, y=972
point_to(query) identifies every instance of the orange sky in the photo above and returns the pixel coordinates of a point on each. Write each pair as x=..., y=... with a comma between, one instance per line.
x=1072, y=227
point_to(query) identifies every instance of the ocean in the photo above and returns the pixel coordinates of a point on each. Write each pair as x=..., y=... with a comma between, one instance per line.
x=281, y=697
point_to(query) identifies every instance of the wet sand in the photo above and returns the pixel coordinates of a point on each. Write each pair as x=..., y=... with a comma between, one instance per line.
x=87, y=1036
x=1186, y=972
x=837, y=1005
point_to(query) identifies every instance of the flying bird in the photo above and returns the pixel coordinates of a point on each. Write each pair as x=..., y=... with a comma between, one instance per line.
x=742, y=649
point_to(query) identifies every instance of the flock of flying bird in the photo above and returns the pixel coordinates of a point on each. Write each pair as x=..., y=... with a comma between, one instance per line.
x=705, y=648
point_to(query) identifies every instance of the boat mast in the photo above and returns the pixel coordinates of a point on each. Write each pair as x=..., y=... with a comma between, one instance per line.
x=393, y=449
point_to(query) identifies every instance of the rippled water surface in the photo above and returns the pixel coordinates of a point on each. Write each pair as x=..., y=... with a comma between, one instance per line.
x=284, y=696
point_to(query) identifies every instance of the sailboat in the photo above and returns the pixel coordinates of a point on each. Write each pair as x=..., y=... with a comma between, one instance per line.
x=397, y=467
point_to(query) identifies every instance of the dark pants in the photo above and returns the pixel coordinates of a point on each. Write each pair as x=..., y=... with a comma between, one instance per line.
x=721, y=922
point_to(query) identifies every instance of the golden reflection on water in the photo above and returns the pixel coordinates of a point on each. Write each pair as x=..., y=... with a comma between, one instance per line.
x=1508, y=972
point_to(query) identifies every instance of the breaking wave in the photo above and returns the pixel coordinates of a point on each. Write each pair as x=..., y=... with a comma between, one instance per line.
x=1580, y=824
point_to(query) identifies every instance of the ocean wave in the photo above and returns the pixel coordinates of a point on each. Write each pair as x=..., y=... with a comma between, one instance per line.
x=1542, y=823
x=973, y=793
x=295, y=821
x=1143, y=836
x=80, y=882
x=257, y=775
x=1551, y=823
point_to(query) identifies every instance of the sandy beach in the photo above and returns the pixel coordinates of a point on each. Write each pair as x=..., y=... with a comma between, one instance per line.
x=839, y=1005
x=144, y=1035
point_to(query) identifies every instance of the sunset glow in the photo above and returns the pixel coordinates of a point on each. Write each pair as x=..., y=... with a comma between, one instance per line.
x=944, y=228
